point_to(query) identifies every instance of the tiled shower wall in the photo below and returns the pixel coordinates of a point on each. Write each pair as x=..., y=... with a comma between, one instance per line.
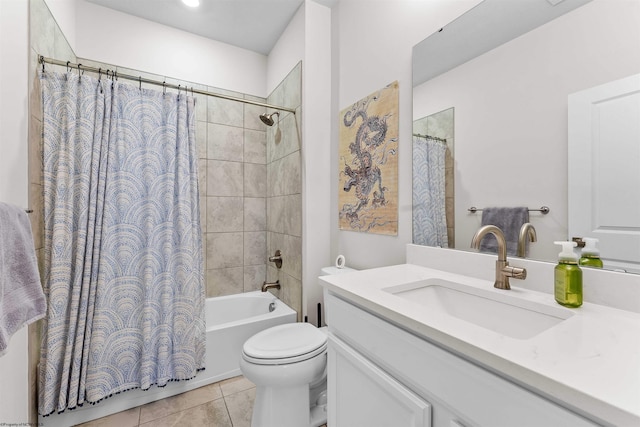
x=284, y=189
x=236, y=184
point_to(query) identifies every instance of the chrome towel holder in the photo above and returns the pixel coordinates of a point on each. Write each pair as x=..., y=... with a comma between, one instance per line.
x=544, y=209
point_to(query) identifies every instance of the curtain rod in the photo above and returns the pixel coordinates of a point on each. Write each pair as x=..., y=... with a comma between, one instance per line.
x=42, y=60
x=435, y=138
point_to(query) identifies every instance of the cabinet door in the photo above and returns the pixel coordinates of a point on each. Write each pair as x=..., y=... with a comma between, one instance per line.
x=362, y=395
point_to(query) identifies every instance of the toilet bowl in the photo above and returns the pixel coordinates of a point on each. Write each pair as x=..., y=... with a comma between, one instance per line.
x=287, y=363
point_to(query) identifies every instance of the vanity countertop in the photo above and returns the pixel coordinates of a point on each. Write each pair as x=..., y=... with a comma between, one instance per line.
x=590, y=362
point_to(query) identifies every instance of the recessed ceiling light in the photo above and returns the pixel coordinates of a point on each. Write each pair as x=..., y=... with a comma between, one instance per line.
x=191, y=3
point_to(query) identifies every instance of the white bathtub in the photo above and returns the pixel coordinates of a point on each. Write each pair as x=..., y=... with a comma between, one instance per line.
x=231, y=320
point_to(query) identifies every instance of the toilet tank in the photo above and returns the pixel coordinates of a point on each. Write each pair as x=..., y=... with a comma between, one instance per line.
x=327, y=271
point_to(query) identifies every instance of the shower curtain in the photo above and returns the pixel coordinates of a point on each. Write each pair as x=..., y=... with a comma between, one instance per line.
x=429, y=214
x=123, y=255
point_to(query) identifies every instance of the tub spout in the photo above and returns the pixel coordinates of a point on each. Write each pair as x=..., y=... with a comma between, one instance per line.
x=270, y=285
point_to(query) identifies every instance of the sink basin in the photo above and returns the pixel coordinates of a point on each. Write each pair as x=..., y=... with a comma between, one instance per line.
x=496, y=311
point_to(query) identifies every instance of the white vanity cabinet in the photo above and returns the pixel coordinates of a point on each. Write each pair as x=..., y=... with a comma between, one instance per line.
x=380, y=375
x=361, y=394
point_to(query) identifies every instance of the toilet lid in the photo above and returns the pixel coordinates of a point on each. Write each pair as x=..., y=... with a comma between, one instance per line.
x=289, y=343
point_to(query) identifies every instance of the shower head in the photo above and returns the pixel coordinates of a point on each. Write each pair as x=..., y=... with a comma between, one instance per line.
x=267, y=119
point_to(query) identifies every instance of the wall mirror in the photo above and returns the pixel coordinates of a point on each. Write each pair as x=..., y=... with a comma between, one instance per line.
x=508, y=68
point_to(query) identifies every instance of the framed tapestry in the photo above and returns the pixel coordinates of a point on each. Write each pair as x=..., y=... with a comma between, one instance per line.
x=368, y=192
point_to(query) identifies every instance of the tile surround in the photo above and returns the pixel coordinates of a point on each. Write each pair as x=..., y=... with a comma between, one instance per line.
x=225, y=178
x=224, y=111
x=225, y=142
x=225, y=281
x=284, y=190
x=222, y=214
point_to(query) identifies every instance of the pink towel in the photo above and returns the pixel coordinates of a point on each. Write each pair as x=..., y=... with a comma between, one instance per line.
x=21, y=298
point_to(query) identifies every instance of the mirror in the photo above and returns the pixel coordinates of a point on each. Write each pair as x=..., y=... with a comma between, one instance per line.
x=508, y=68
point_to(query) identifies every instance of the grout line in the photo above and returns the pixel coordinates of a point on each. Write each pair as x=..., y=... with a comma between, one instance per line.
x=226, y=407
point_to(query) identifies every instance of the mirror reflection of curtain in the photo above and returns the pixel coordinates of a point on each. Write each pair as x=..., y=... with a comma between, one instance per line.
x=429, y=216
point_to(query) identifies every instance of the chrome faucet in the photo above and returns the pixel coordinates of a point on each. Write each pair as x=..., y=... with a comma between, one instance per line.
x=527, y=232
x=503, y=270
x=270, y=285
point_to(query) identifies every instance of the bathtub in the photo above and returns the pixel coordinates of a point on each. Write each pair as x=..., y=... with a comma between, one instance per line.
x=230, y=320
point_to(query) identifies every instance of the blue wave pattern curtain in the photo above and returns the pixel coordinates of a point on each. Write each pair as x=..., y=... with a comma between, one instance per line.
x=123, y=254
x=429, y=215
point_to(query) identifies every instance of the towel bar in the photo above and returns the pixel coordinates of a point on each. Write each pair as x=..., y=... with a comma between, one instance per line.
x=544, y=209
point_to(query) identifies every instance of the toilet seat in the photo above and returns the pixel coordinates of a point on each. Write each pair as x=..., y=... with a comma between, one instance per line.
x=283, y=344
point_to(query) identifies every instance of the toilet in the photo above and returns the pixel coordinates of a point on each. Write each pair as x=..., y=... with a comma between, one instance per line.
x=288, y=365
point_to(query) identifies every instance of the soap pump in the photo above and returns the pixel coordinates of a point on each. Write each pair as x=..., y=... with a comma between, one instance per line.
x=590, y=253
x=568, y=277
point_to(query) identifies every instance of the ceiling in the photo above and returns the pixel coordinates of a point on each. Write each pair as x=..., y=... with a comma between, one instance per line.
x=250, y=24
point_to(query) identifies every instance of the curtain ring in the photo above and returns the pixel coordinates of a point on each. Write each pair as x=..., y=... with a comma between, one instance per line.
x=41, y=59
x=100, y=79
x=140, y=82
x=115, y=75
x=178, y=92
x=68, y=66
x=79, y=65
x=164, y=88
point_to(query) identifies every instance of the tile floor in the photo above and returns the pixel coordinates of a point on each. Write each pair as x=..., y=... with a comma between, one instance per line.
x=228, y=403
x=225, y=404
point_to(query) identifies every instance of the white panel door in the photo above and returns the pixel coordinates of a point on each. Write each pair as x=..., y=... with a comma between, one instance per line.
x=604, y=170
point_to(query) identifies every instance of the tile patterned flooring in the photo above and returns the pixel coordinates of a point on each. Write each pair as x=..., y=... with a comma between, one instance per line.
x=228, y=403
x=225, y=404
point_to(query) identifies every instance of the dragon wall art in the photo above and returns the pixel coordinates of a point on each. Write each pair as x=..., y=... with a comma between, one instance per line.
x=368, y=194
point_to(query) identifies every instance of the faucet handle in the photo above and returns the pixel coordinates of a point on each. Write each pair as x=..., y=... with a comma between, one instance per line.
x=277, y=259
x=515, y=272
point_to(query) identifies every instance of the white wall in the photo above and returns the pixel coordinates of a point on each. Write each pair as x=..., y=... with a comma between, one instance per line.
x=13, y=182
x=511, y=130
x=375, y=40
x=316, y=140
x=288, y=51
x=109, y=36
x=307, y=38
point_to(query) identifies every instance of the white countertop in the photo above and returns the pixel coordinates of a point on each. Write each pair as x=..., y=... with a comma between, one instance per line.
x=590, y=362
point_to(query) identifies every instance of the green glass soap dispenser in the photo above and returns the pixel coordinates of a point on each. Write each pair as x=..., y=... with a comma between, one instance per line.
x=590, y=253
x=568, y=277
